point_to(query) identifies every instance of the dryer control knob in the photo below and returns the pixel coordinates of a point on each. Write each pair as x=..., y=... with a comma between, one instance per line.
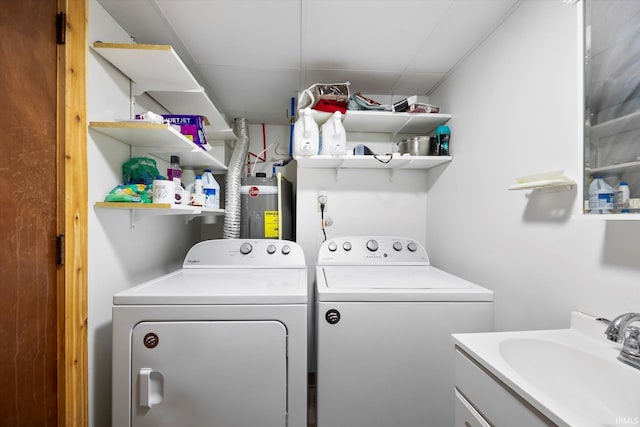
x=397, y=246
x=412, y=246
x=246, y=248
x=332, y=246
x=271, y=249
x=372, y=245
x=286, y=250
x=346, y=246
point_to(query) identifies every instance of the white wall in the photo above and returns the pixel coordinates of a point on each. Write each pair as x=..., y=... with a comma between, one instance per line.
x=122, y=252
x=516, y=112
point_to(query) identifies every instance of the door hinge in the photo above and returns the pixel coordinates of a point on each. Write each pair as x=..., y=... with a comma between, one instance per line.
x=60, y=249
x=61, y=27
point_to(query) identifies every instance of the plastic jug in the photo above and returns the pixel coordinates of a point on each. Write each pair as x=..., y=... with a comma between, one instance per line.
x=306, y=135
x=333, y=136
x=211, y=190
x=601, y=195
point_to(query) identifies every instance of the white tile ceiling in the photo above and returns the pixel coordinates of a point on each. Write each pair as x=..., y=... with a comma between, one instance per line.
x=252, y=56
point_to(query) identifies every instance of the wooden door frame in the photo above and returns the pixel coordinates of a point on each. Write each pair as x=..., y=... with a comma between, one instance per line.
x=73, y=401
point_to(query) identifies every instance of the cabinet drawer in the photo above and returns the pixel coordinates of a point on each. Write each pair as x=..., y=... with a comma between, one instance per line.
x=496, y=403
x=466, y=415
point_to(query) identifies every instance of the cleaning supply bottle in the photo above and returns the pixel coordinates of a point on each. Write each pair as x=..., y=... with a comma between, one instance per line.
x=443, y=135
x=211, y=190
x=197, y=197
x=306, y=135
x=600, y=196
x=174, y=172
x=622, y=197
x=333, y=136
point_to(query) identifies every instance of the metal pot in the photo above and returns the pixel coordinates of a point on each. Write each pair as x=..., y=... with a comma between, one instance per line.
x=418, y=146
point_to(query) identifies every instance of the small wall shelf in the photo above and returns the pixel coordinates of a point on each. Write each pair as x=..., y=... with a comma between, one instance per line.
x=549, y=185
x=167, y=208
x=383, y=161
x=147, y=209
x=161, y=140
x=546, y=182
x=369, y=162
x=387, y=121
x=159, y=71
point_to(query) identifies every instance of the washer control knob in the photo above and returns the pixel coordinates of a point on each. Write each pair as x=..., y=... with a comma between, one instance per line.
x=286, y=250
x=246, y=248
x=346, y=246
x=332, y=246
x=332, y=316
x=372, y=245
x=271, y=249
x=397, y=246
x=412, y=246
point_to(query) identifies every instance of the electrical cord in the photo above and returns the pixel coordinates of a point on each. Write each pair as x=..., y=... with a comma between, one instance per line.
x=375, y=156
x=324, y=232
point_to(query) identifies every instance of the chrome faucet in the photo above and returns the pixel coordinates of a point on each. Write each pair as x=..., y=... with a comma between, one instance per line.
x=619, y=330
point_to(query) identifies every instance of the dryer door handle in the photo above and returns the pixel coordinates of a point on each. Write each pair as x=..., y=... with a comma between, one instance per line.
x=151, y=387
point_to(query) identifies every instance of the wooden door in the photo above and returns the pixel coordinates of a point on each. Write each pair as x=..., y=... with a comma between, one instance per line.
x=39, y=329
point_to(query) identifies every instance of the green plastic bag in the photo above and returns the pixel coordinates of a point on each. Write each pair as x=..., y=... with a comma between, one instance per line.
x=139, y=170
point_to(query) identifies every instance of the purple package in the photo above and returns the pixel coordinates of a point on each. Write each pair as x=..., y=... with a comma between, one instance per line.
x=192, y=127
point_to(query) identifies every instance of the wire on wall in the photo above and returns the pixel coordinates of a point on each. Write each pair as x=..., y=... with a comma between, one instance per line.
x=257, y=157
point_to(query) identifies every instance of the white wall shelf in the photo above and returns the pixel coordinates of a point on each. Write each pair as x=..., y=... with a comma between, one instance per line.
x=609, y=217
x=369, y=162
x=159, y=71
x=160, y=140
x=387, y=121
x=545, y=186
x=146, y=209
x=383, y=161
x=614, y=168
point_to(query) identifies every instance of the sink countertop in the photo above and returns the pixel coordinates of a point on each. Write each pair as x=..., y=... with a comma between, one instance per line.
x=570, y=375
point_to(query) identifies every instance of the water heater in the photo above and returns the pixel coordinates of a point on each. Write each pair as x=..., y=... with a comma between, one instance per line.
x=266, y=208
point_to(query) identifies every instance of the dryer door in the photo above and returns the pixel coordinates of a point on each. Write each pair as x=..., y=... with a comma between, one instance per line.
x=218, y=373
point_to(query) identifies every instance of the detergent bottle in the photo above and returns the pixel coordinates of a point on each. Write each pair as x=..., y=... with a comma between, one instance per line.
x=306, y=135
x=333, y=136
x=601, y=196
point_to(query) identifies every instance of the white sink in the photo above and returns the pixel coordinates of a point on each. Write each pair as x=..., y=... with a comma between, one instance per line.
x=570, y=375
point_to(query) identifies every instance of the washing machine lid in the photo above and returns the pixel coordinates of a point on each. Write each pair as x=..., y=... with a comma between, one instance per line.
x=248, y=286
x=395, y=283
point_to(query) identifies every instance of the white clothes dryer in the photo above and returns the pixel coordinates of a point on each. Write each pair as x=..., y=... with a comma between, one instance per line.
x=385, y=316
x=220, y=342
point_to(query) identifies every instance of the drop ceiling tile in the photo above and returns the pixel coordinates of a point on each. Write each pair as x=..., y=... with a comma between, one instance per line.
x=237, y=32
x=369, y=35
x=365, y=82
x=465, y=24
x=416, y=83
x=246, y=91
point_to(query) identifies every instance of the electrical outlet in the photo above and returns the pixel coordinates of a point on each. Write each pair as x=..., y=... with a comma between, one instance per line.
x=322, y=200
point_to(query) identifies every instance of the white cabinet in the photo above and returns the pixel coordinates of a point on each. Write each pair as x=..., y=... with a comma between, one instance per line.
x=491, y=401
x=466, y=415
x=612, y=101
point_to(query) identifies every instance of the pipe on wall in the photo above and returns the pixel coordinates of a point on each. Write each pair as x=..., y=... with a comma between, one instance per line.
x=231, y=228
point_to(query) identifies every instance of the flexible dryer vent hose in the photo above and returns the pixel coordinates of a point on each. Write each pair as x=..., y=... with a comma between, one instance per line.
x=234, y=174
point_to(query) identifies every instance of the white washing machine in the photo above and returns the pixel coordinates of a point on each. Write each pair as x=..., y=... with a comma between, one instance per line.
x=220, y=342
x=384, y=322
